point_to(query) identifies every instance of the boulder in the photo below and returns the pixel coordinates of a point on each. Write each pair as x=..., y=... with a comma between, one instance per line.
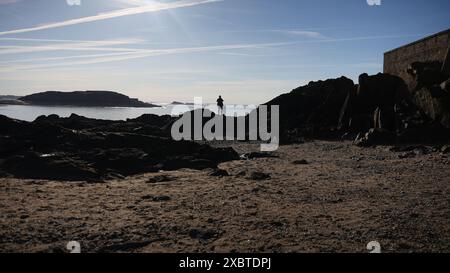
x=300, y=162
x=312, y=110
x=375, y=137
x=33, y=165
x=445, y=86
x=435, y=104
x=93, y=152
x=372, y=104
x=219, y=173
x=426, y=73
x=257, y=155
x=125, y=161
x=160, y=179
x=259, y=176
x=431, y=91
x=10, y=126
x=160, y=198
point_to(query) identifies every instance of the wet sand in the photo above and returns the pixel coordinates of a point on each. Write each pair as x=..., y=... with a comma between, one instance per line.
x=341, y=200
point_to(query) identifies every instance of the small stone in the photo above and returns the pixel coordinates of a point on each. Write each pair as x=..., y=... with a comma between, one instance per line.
x=219, y=173
x=160, y=179
x=202, y=234
x=161, y=198
x=300, y=162
x=259, y=176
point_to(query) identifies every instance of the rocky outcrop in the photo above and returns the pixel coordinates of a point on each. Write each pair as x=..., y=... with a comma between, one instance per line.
x=312, y=110
x=380, y=109
x=372, y=103
x=431, y=92
x=78, y=148
x=84, y=98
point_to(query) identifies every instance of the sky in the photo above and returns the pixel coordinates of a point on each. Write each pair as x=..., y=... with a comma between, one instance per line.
x=248, y=51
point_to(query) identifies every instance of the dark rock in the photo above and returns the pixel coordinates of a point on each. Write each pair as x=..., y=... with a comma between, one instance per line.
x=160, y=179
x=154, y=120
x=407, y=155
x=161, y=198
x=445, y=149
x=84, y=98
x=417, y=149
x=50, y=166
x=126, y=161
x=190, y=162
x=312, y=110
x=4, y=174
x=219, y=173
x=445, y=86
x=257, y=155
x=259, y=176
x=430, y=91
x=203, y=234
x=84, y=149
x=300, y=162
x=412, y=151
x=372, y=104
x=426, y=73
x=375, y=137
x=435, y=103
x=124, y=247
x=10, y=126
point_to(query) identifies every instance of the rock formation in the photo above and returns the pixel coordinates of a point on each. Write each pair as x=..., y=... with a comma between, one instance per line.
x=78, y=148
x=312, y=110
x=84, y=98
x=380, y=109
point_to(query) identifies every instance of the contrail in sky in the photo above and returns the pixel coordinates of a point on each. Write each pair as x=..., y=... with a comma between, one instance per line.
x=114, y=14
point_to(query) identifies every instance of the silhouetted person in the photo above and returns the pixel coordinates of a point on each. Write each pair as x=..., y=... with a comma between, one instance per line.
x=220, y=105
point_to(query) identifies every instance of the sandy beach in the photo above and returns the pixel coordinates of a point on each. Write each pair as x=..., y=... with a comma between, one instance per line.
x=339, y=200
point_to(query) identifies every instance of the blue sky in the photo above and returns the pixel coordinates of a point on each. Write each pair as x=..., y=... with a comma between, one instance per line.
x=249, y=51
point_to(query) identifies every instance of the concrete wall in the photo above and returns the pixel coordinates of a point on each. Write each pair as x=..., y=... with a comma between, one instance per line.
x=433, y=48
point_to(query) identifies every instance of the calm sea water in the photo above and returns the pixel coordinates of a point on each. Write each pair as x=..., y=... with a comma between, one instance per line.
x=30, y=113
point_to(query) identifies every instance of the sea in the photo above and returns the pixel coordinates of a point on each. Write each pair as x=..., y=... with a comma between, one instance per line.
x=31, y=112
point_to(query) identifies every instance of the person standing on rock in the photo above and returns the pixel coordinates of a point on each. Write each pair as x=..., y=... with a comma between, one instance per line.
x=220, y=105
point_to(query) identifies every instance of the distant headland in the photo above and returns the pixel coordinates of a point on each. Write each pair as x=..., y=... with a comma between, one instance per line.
x=80, y=98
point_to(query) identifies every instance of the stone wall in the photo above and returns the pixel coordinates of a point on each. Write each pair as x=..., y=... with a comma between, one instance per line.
x=433, y=48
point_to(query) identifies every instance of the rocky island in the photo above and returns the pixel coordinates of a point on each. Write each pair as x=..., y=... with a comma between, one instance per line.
x=84, y=99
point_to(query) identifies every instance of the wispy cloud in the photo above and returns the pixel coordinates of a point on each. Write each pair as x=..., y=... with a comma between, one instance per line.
x=114, y=14
x=305, y=33
x=137, y=54
x=123, y=54
x=290, y=32
x=75, y=46
x=135, y=2
x=4, y=2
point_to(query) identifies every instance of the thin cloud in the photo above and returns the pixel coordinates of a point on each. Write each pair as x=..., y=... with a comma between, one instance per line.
x=140, y=53
x=130, y=53
x=114, y=14
x=291, y=32
x=5, y=2
x=309, y=34
x=80, y=45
